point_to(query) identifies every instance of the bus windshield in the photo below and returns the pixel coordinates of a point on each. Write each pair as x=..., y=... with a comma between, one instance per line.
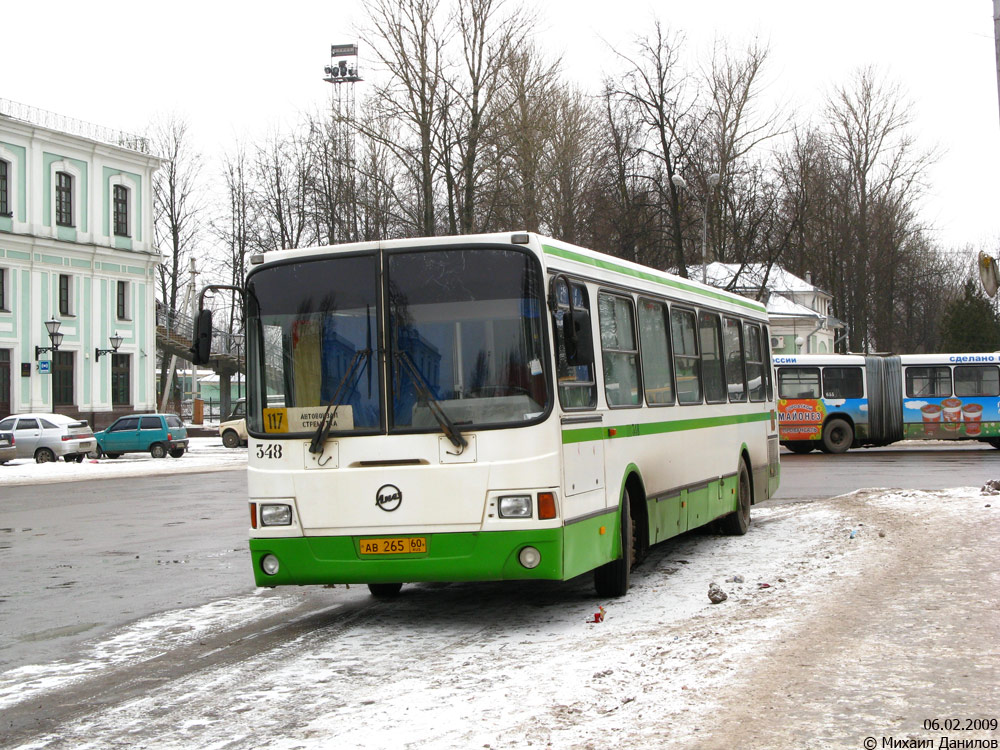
x=455, y=338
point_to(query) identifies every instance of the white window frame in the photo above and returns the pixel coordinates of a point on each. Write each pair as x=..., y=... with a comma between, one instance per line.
x=77, y=175
x=13, y=171
x=128, y=299
x=70, y=295
x=131, y=186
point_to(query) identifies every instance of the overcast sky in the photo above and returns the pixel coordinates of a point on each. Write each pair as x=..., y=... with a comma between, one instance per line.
x=241, y=68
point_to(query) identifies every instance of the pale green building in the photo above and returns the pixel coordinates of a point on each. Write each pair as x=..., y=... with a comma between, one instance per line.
x=77, y=248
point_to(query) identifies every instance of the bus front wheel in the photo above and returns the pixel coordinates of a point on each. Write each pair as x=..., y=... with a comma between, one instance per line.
x=613, y=578
x=838, y=436
x=385, y=590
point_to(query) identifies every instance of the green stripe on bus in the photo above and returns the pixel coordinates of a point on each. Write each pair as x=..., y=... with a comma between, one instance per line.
x=588, y=434
x=645, y=276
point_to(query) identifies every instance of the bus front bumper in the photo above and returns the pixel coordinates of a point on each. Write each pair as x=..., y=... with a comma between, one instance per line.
x=474, y=556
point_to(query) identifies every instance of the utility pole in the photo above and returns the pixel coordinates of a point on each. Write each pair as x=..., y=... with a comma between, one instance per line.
x=996, y=41
x=344, y=69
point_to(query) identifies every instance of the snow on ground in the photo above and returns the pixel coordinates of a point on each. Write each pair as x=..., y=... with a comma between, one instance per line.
x=500, y=665
x=203, y=453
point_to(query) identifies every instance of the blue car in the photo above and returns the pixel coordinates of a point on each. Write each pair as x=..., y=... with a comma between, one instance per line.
x=157, y=434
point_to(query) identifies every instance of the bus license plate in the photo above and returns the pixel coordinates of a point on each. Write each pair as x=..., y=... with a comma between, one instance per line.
x=396, y=545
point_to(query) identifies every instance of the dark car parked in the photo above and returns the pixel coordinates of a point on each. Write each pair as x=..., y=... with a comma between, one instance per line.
x=159, y=434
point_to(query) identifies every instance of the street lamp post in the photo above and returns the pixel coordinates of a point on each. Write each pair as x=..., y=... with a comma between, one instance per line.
x=713, y=180
x=55, y=339
x=116, y=342
x=238, y=342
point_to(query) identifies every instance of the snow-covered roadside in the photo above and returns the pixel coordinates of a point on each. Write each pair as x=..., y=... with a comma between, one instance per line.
x=204, y=454
x=511, y=665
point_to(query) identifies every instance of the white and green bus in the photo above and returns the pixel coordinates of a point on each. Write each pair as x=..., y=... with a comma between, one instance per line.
x=493, y=407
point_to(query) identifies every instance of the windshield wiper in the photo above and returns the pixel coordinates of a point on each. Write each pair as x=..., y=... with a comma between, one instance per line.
x=424, y=391
x=326, y=423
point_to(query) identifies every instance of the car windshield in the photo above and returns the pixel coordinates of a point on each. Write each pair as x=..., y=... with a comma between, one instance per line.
x=463, y=342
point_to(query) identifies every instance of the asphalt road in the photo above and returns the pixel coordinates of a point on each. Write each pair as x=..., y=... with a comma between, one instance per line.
x=913, y=466
x=83, y=558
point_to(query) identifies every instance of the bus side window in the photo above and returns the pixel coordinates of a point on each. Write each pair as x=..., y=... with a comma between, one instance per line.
x=934, y=382
x=798, y=382
x=977, y=380
x=842, y=382
x=657, y=369
x=619, y=350
x=687, y=363
x=577, y=385
x=736, y=378
x=711, y=357
x=756, y=372
x=768, y=364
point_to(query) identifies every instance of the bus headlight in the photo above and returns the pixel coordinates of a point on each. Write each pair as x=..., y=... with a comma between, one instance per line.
x=275, y=515
x=269, y=564
x=529, y=557
x=515, y=506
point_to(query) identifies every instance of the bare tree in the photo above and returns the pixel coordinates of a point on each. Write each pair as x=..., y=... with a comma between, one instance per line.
x=524, y=134
x=489, y=32
x=236, y=227
x=177, y=206
x=570, y=167
x=664, y=98
x=732, y=137
x=408, y=45
x=282, y=171
x=177, y=212
x=870, y=135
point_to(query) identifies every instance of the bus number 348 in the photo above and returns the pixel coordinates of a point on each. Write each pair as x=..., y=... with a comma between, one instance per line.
x=268, y=450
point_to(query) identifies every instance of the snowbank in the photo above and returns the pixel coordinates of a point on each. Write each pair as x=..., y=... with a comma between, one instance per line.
x=205, y=453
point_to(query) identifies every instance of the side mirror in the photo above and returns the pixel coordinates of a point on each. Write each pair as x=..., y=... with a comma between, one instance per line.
x=579, y=338
x=201, y=347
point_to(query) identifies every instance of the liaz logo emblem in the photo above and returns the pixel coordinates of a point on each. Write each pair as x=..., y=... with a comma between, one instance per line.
x=388, y=497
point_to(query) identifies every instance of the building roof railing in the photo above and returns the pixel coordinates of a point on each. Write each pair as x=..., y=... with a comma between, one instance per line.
x=55, y=121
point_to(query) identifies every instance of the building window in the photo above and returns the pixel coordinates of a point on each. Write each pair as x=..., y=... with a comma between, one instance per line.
x=4, y=188
x=64, y=199
x=65, y=298
x=62, y=378
x=121, y=211
x=3, y=290
x=122, y=300
x=121, y=376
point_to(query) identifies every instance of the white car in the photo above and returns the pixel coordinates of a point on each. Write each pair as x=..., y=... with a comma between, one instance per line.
x=46, y=437
x=234, y=429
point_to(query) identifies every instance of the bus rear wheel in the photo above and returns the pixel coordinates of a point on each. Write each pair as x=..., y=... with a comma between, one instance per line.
x=838, y=436
x=612, y=579
x=737, y=523
x=385, y=590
